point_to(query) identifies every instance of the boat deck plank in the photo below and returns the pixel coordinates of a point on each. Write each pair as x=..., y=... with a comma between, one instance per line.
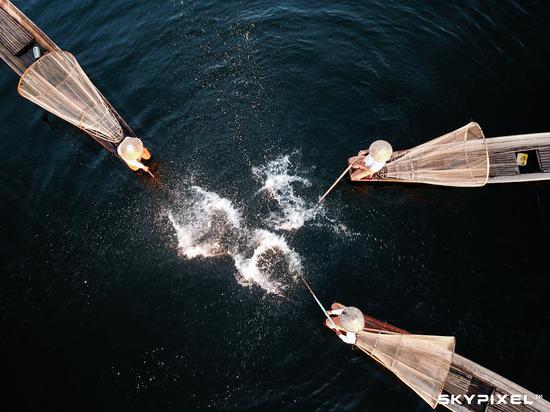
x=544, y=157
x=12, y=36
x=483, y=379
x=503, y=164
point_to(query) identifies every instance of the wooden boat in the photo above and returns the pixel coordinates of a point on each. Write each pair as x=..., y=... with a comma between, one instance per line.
x=19, y=40
x=465, y=158
x=468, y=378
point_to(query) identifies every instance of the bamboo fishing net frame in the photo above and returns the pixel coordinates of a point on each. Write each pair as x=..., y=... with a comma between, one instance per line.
x=57, y=83
x=459, y=158
x=422, y=362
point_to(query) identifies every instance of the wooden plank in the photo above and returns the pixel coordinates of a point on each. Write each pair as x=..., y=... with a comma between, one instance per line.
x=12, y=36
x=14, y=62
x=518, y=143
x=502, y=164
x=529, y=177
x=39, y=36
x=544, y=156
x=502, y=385
x=460, y=382
x=457, y=382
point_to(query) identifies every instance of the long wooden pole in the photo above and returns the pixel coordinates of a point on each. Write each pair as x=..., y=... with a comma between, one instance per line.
x=317, y=300
x=322, y=198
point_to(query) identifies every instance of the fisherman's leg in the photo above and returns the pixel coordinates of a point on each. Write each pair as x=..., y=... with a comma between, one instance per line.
x=360, y=174
x=146, y=154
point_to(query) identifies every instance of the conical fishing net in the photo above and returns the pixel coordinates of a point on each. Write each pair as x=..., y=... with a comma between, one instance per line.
x=57, y=83
x=458, y=158
x=422, y=362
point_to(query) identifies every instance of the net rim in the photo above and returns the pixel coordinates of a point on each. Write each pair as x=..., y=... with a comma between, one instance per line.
x=69, y=58
x=482, y=181
x=28, y=69
x=488, y=166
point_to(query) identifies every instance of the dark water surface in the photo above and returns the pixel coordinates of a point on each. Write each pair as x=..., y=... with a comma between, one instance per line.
x=99, y=308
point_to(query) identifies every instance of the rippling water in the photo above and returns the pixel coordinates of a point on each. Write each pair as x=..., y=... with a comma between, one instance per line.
x=104, y=303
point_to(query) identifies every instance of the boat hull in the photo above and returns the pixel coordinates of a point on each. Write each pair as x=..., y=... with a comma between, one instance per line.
x=20, y=62
x=503, y=167
x=468, y=378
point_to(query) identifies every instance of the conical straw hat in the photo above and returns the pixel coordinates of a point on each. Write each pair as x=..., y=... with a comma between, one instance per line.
x=131, y=148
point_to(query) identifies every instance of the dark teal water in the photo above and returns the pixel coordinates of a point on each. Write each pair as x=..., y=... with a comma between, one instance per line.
x=101, y=310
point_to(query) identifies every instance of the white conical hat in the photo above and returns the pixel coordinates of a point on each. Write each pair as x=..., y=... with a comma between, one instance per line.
x=131, y=148
x=352, y=319
x=380, y=151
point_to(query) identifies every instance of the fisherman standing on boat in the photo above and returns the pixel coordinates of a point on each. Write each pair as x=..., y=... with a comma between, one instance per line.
x=422, y=362
x=132, y=151
x=366, y=166
x=346, y=321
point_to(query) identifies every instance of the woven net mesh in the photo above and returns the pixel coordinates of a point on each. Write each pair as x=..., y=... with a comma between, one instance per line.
x=57, y=83
x=458, y=158
x=422, y=362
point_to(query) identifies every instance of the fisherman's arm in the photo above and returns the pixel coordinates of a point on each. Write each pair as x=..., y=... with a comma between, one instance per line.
x=335, y=311
x=347, y=337
x=358, y=162
x=137, y=164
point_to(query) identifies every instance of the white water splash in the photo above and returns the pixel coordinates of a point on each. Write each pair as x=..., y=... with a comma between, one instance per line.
x=208, y=225
x=279, y=184
x=271, y=254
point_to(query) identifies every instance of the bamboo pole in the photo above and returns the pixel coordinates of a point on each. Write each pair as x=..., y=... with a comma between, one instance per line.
x=322, y=198
x=317, y=300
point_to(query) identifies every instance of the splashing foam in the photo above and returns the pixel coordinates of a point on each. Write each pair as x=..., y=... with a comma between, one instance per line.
x=208, y=225
x=271, y=256
x=279, y=181
x=278, y=184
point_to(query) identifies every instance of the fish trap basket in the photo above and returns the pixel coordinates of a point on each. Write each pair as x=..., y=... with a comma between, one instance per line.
x=57, y=83
x=422, y=362
x=459, y=158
